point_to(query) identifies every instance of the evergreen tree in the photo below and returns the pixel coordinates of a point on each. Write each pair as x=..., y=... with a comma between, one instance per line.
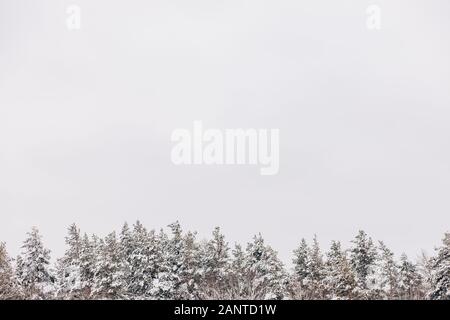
x=215, y=265
x=315, y=272
x=69, y=266
x=140, y=250
x=108, y=278
x=301, y=271
x=191, y=272
x=33, y=268
x=301, y=261
x=340, y=279
x=410, y=281
x=363, y=257
x=235, y=286
x=440, y=277
x=167, y=284
x=8, y=285
x=88, y=265
x=389, y=273
x=126, y=248
x=308, y=271
x=264, y=272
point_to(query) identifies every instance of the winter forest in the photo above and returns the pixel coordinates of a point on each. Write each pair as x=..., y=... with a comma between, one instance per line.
x=146, y=264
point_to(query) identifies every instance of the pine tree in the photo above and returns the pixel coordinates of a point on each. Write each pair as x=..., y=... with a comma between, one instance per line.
x=34, y=274
x=236, y=283
x=126, y=248
x=389, y=276
x=410, y=281
x=8, y=284
x=440, y=278
x=179, y=276
x=340, y=279
x=87, y=265
x=264, y=271
x=308, y=271
x=315, y=271
x=301, y=260
x=425, y=269
x=69, y=266
x=141, y=260
x=255, y=273
x=191, y=272
x=215, y=266
x=363, y=257
x=167, y=284
x=301, y=271
x=108, y=279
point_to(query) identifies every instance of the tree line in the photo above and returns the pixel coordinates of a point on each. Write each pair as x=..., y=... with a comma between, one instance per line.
x=137, y=263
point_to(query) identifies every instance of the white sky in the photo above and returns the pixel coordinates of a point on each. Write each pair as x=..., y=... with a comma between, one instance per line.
x=86, y=118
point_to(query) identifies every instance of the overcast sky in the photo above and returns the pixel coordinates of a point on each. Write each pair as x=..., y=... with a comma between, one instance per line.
x=364, y=118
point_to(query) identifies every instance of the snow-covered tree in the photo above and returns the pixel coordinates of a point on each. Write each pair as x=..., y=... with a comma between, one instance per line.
x=179, y=265
x=340, y=282
x=255, y=273
x=301, y=260
x=363, y=257
x=308, y=280
x=314, y=279
x=264, y=272
x=69, y=266
x=410, y=283
x=139, y=250
x=108, y=276
x=191, y=272
x=440, y=277
x=126, y=248
x=298, y=280
x=88, y=265
x=168, y=282
x=388, y=273
x=215, y=265
x=8, y=284
x=33, y=268
x=236, y=280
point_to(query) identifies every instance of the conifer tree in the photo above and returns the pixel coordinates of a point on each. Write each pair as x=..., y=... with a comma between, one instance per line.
x=33, y=268
x=315, y=274
x=236, y=280
x=440, y=277
x=126, y=249
x=340, y=279
x=388, y=272
x=108, y=278
x=140, y=254
x=8, y=284
x=301, y=260
x=69, y=266
x=215, y=265
x=167, y=284
x=191, y=272
x=363, y=258
x=264, y=271
x=309, y=271
x=88, y=265
x=410, y=281
x=301, y=271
